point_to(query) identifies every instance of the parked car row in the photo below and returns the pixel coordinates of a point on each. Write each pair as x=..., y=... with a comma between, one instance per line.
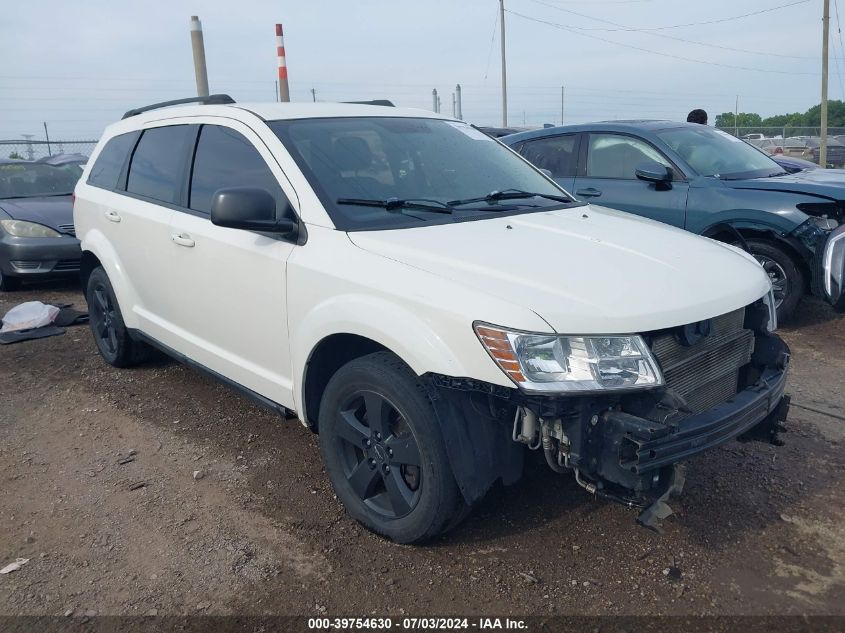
x=434, y=305
x=803, y=147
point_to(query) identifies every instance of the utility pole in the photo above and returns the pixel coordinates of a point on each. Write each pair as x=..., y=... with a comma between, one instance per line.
x=736, y=117
x=504, y=66
x=823, y=131
x=460, y=113
x=434, y=99
x=561, y=104
x=284, y=89
x=313, y=95
x=47, y=136
x=198, y=48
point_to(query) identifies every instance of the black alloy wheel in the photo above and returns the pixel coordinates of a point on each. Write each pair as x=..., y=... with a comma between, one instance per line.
x=379, y=454
x=384, y=451
x=103, y=320
x=110, y=333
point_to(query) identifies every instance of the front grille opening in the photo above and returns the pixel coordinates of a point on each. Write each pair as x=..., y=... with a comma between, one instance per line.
x=706, y=373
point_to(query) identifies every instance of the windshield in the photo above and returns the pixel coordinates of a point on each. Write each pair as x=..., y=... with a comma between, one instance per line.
x=30, y=180
x=715, y=153
x=353, y=163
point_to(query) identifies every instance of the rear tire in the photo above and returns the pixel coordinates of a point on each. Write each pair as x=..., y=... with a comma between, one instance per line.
x=9, y=284
x=384, y=452
x=110, y=334
x=787, y=281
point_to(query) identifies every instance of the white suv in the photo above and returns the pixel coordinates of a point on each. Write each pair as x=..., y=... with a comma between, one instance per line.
x=426, y=300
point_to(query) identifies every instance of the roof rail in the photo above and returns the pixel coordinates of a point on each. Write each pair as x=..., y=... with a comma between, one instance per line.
x=376, y=102
x=218, y=99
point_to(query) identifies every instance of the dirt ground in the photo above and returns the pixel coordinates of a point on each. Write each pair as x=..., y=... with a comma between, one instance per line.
x=759, y=529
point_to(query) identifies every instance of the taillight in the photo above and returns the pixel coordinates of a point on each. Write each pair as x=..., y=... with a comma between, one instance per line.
x=778, y=150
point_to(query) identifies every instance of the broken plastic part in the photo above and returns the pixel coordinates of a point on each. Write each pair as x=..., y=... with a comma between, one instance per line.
x=660, y=509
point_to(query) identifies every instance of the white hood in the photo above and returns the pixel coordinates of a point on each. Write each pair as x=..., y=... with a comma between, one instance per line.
x=585, y=270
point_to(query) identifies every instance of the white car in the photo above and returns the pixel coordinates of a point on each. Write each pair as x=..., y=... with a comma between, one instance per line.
x=426, y=300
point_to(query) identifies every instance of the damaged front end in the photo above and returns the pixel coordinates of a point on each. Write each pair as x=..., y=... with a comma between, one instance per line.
x=723, y=378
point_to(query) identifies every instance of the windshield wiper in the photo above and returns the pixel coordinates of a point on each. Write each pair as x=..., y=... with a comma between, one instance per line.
x=398, y=204
x=508, y=194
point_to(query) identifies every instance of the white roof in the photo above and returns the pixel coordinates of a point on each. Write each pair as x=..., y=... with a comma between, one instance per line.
x=269, y=111
x=272, y=110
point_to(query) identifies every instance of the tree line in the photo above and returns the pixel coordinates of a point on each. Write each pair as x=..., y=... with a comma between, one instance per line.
x=810, y=118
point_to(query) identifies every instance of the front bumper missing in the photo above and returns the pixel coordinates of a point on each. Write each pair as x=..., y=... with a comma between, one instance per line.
x=647, y=445
x=630, y=450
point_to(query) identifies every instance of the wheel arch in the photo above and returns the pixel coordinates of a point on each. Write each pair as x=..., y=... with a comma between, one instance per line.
x=98, y=251
x=330, y=354
x=726, y=232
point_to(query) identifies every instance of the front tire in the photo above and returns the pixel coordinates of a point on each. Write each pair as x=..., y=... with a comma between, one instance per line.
x=110, y=334
x=787, y=281
x=384, y=451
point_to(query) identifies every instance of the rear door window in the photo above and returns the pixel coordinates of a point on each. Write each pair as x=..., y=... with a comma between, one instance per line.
x=558, y=154
x=226, y=158
x=109, y=164
x=157, y=170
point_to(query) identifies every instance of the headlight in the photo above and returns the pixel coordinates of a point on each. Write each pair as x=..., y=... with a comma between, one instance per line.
x=548, y=362
x=21, y=228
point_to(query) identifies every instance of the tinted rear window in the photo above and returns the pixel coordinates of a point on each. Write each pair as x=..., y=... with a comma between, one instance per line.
x=157, y=168
x=111, y=160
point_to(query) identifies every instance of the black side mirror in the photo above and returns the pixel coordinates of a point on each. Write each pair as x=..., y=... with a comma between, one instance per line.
x=656, y=173
x=248, y=208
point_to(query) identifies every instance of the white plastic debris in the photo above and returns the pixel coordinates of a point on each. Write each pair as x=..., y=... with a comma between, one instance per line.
x=26, y=316
x=8, y=569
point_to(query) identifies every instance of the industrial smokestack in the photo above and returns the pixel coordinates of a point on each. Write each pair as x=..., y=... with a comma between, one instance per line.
x=198, y=48
x=284, y=89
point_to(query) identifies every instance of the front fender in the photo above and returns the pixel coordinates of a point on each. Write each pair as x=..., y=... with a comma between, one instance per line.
x=95, y=242
x=413, y=338
x=773, y=211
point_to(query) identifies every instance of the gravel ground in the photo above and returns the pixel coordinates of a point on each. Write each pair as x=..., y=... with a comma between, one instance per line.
x=158, y=491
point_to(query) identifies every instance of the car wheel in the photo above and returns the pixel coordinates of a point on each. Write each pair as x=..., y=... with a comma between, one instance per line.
x=7, y=284
x=384, y=451
x=787, y=281
x=110, y=334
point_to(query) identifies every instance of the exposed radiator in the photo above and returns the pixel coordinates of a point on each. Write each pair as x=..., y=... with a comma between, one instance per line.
x=706, y=373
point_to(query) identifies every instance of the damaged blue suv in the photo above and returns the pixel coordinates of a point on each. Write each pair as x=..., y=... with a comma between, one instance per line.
x=706, y=181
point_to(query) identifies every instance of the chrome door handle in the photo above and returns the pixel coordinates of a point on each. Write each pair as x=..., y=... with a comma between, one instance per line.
x=589, y=192
x=114, y=216
x=182, y=239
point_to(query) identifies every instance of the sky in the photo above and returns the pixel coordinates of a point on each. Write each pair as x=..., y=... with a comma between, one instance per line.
x=78, y=65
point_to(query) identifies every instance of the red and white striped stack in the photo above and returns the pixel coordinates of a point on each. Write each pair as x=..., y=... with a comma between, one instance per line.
x=284, y=90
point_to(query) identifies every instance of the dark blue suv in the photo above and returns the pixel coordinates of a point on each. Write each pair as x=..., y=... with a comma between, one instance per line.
x=703, y=180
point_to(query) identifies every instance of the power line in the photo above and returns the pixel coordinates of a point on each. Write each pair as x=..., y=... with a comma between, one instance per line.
x=841, y=48
x=716, y=21
x=653, y=52
x=492, y=40
x=664, y=35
